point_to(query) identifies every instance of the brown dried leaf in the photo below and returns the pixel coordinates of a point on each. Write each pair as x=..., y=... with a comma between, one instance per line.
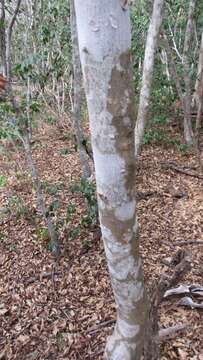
x=3, y=309
x=183, y=354
x=23, y=339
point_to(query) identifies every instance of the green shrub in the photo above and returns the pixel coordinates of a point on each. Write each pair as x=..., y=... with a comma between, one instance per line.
x=3, y=180
x=88, y=189
x=16, y=205
x=69, y=212
x=153, y=135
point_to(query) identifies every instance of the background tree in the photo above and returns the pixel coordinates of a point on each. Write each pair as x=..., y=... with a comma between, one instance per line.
x=198, y=95
x=2, y=38
x=78, y=94
x=17, y=122
x=150, y=49
x=8, y=39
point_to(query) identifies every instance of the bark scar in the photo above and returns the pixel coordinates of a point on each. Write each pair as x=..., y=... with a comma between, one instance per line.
x=103, y=198
x=124, y=5
x=85, y=50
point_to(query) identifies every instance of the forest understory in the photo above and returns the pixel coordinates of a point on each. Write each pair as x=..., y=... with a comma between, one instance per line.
x=65, y=309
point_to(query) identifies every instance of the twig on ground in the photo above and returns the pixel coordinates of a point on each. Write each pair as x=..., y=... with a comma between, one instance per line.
x=189, y=242
x=45, y=275
x=165, y=334
x=181, y=260
x=96, y=354
x=144, y=195
x=181, y=170
x=96, y=328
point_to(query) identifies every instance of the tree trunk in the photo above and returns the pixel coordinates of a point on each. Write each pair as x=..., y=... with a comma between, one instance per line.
x=77, y=94
x=173, y=70
x=199, y=88
x=188, y=132
x=199, y=102
x=8, y=41
x=2, y=38
x=150, y=50
x=54, y=239
x=104, y=42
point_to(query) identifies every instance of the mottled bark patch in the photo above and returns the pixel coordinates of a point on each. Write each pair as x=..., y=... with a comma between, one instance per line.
x=120, y=104
x=109, y=219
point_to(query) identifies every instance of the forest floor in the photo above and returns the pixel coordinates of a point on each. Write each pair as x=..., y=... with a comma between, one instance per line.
x=65, y=309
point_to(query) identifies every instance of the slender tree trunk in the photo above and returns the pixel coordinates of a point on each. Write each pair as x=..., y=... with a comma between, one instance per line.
x=150, y=50
x=8, y=40
x=173, y=71
x=188, y=132
x=199, y=88
x=2, y=38
x=199, y=102
x=104, y=41
x=77, y=94
x=54, y=241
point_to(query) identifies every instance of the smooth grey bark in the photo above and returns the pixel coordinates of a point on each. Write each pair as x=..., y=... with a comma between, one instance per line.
x=150, y=50
x=78, y=94
x=2, y=38
x=188, y=132
x=105, y=42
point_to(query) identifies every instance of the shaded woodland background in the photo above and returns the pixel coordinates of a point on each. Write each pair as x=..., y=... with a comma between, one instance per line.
x=56, y=300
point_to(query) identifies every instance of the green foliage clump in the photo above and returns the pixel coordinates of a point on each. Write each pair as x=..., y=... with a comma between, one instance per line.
x=3, y=180
x=52, y=189
x=51, y=55
x=88, y=189
x=70, y=210
x=64, y=151
x=16, y=206
x=73, y=233
x=183, y=148
x=42, y=234
x=153, y=136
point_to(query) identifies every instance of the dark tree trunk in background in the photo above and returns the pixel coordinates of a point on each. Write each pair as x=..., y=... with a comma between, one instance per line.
x=2, y=38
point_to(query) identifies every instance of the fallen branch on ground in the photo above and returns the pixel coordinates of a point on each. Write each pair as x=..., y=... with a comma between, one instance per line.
x=45, y=275
x=189, y=242
x=187, y=301
x=181, y=260
x=96, y=328
x=144, y=195
x=192, y=290
x=181, y=170
x=165, y=334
